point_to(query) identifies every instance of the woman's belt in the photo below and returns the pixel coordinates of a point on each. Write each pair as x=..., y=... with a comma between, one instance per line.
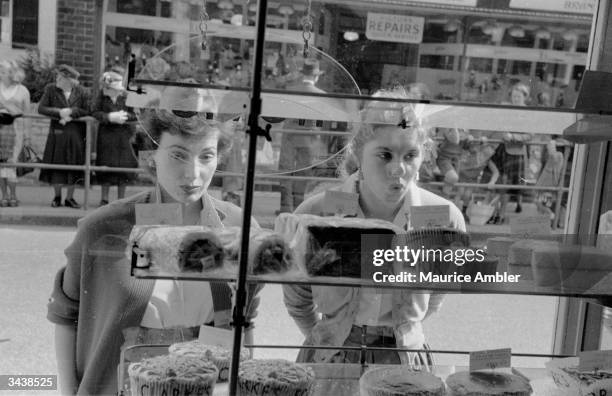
x=380, y=331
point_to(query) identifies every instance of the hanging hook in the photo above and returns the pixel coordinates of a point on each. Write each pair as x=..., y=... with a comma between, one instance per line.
x=307, y=29
x=204, y=18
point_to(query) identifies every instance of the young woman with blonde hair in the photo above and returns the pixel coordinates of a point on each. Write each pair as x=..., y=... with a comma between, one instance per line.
x=381, y=165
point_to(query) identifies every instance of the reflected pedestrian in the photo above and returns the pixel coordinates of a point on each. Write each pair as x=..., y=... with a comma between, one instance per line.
x=14, y=102
x=64, y=102
x=114, y=146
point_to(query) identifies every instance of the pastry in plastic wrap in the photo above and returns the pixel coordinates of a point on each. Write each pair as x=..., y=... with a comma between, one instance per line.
x=331, y=246
x=570, y=381
x=487, y=383
x=220, y=356
x=176, y=375
x=437, y=240
x=268, y=251
x=179, y=248
x=275, y=377
x=399, y=381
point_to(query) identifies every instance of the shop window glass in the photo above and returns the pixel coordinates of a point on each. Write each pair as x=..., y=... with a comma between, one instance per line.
x=482, y=67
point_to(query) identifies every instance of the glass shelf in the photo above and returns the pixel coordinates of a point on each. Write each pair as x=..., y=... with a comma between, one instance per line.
x=602, y=287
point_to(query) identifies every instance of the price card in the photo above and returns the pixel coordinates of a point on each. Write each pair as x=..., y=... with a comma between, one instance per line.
x=341, y=203
x=159, y=214
x=430, y=216
x=530, y=225
x=595, y=360
x=490, y=359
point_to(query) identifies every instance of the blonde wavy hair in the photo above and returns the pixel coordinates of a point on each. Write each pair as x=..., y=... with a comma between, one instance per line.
x=15, y=72
x=384, y=113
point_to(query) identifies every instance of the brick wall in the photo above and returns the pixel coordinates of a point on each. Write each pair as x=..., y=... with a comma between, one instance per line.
x=76, y=36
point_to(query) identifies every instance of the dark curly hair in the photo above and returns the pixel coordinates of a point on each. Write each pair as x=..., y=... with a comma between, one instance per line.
x=187, y=125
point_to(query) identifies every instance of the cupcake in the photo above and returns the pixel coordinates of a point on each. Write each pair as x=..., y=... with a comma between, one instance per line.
x=274, y=377
x=486, y=383
x=220, y=356
x=399, y=381
x=175, y=375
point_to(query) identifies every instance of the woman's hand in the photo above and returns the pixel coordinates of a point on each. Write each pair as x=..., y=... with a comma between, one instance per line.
x=118, y=117
x=65, y=113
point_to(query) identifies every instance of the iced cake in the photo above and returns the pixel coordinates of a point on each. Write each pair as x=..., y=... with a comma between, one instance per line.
x=399, y=381
x=176, y=375
x=220, y=356
x=486, y=383
x=571, y=381
x=275, y=377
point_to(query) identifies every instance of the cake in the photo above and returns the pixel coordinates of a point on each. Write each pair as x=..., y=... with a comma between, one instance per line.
x=275, y=377
x=221, y=357
x=177, y=249
x=570, y=381
x=176, y=375
x=487, y=383
x=332, y=246
x=399, y=381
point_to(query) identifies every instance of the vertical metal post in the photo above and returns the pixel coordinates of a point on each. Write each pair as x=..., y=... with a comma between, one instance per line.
x=241, y=294
x=88, y=135
x=560, y=186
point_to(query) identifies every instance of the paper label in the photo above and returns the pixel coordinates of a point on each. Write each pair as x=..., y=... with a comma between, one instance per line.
x=341, y=203
x=595, y=360
x=159, y=214
x=526, y=226
x=490, y=359
x=430, y=216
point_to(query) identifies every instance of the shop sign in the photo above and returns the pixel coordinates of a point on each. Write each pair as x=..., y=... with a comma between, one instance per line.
x=395, y=28
x=575, y=6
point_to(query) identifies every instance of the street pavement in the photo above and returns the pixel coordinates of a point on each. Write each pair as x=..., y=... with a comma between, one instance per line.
x=31, y=255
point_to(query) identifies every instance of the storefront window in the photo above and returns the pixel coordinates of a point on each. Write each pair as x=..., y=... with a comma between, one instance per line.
x=492, y=83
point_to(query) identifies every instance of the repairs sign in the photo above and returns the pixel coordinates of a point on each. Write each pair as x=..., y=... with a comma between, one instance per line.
x=395, y=28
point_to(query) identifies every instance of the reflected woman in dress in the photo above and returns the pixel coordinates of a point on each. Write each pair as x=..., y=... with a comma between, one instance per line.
x=64, y=102
x=115, y=132
x=382, y=164
x=97, y=307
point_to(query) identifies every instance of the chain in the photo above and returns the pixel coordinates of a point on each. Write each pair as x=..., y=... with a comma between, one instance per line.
x=307, y=29
x=204, y=18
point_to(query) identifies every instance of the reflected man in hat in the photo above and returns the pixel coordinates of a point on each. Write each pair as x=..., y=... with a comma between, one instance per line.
x=297, y=148
x=64, y=102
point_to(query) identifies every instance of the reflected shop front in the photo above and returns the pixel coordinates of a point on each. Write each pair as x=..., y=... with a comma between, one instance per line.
x=337, y=197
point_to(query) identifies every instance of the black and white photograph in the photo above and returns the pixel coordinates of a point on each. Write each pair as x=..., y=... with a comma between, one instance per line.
x=306, y=197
